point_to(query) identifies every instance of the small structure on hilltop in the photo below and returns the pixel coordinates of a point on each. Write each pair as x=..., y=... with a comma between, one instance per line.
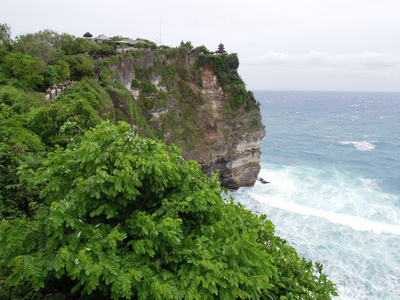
x=87, y=35
x=196, y=51
x=221, y=49
x=101, y=38
x=121, y=46
x=126, y=45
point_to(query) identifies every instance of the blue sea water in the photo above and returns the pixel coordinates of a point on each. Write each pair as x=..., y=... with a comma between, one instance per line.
x=333, y=163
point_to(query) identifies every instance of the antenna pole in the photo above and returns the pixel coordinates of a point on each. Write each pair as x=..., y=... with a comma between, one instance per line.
x=160, y=32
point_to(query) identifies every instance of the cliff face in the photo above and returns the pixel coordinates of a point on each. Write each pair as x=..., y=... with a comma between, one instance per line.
x=186, y=105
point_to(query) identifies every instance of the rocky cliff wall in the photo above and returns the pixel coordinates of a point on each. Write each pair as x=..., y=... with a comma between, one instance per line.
x=235, y=139
x=186, y=105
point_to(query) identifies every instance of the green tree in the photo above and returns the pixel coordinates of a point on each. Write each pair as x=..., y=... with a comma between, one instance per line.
x=5, y=40
x=23, y=70
x=187, y=45
x=18, y=146
x=80, y=66
x=50, y=77
x=5, y=32
x=60, y=123
x=82, y=45
x=66, y=44
x=62, y=69
x=41, y=44
x=118, y=38
x=124, y=216
x=146, y=44
x=232, y=61
x=202, y=49
x=106, y=48
x=18, y=101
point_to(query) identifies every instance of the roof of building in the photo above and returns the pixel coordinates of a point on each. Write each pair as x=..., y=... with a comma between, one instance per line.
x=102, y=37
x=128, y=41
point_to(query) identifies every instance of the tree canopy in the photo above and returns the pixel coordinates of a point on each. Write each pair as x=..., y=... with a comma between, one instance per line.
x=123, y=216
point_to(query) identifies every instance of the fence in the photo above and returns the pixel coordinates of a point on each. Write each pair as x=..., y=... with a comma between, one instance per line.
x=55, y=91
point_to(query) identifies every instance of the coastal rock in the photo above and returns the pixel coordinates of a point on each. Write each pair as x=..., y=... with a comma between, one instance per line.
x=262, y=180
x=233, y=140
x=211, y=132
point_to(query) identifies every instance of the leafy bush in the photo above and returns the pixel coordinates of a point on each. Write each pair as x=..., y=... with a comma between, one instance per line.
x=80, y=66
x=148, y=87
x=125, y=106
x=225, y=67
x=232, y=61
x=23, y=71
x=135, y=83
x=127, y=217
x=169, y=75
x=89, y=90
x=19, y=101
x=172, y=53
x=18, y=146
x=202, y=49
x=186, y=92
x=106, y=48
x=143, y=74
x=183, y=72
x=202, y=60
x=58, y=123
x=41, y=44
x=146, y=44
x=118, y=58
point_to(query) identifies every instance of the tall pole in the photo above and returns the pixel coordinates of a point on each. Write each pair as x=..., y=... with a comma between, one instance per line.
x=160, y=33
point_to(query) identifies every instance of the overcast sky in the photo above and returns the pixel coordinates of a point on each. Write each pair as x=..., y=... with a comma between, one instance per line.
x=344, y=45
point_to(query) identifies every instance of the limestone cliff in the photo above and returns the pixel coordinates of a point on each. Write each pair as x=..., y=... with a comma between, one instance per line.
x=200, y=104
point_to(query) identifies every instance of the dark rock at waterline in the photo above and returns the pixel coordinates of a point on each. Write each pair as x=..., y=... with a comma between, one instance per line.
x=262, y=180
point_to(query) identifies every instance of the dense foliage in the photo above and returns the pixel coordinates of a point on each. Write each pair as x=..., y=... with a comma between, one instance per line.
x=91, y=209
x=225, y=67
x=123, y=216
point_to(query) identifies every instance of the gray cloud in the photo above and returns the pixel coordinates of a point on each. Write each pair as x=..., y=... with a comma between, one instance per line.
x=356, y=40
x=365, y=61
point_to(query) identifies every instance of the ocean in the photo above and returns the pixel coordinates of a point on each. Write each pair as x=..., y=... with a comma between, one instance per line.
x=333, y=163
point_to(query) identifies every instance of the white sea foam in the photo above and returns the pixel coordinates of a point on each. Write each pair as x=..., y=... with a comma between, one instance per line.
x=330, y=207
x=361, y=146
x=354, y=222
x=331, y=190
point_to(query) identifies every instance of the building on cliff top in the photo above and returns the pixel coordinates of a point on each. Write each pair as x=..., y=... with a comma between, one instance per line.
x=101, y=38
x=126, y=45
x=122, y=45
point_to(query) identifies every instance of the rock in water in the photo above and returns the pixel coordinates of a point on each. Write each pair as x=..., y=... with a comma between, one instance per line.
x=262, y=180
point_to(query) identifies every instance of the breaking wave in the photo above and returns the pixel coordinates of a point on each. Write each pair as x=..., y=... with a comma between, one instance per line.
x=361, y=146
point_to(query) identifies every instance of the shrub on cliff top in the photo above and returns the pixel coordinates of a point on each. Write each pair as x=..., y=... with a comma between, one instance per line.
x=225, y=67
x=124, y=216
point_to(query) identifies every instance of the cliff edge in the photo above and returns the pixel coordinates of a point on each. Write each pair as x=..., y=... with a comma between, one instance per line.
x=198, y=102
